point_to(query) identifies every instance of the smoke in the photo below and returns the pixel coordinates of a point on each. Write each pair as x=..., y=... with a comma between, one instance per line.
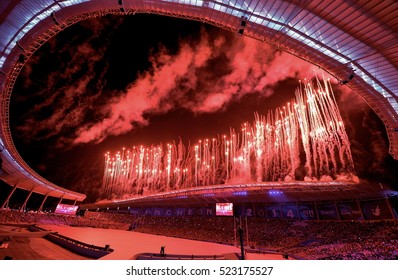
x=63, y=82
x=368, y=137
x=65, y=102
x=206, y=74
x=203, y=78
x=80, y=95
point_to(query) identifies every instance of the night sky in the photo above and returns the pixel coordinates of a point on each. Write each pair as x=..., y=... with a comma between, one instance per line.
x=119, y=81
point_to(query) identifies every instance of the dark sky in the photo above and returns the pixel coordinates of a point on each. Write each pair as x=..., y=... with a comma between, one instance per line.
x=115, y=82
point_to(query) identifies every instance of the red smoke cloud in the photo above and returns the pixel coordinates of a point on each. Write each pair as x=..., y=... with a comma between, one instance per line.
x=77, y=99
x=202, y=77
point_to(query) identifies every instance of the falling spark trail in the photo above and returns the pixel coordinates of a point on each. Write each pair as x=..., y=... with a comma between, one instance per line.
x=266, y=150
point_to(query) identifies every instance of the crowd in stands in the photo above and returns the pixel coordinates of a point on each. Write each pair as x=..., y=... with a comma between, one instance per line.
x=374, y=240
x=97, y=219
x=304, y=239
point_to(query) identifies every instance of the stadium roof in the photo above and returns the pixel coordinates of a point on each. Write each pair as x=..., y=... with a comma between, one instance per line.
x=356, y=42
x=257, y=193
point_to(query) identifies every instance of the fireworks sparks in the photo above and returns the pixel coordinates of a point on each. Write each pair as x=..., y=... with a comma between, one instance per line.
x=306, y=132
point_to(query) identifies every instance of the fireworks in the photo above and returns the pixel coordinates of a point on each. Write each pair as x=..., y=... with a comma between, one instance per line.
x=307, y=132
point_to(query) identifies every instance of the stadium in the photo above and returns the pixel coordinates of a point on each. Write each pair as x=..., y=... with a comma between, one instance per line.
x=224, y=199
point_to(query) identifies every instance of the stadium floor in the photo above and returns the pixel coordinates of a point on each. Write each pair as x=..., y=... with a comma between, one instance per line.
x=126, y=245
x=24, y=248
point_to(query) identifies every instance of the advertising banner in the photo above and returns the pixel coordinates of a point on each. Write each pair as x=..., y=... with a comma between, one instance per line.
x=180, y=212
x=224, y=209
x=190, y=212
x=274, y=212
x=168, y=212
x=349, y=211
x=147, y=212
x=394, y=205
x=290, y=212
x=376, y=210
x=66, y=209
x=261, y=211
x=327, y=211
x=307, y=212
x=135, y=211
x=157, y=212
x=205, y=212
x=244, y=211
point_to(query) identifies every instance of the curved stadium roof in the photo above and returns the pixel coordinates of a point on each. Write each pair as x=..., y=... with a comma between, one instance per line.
x=355, y=41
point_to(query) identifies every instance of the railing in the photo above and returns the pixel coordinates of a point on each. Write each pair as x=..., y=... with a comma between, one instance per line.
x=151, y=256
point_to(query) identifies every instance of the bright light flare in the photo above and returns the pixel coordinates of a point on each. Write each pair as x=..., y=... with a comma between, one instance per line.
x=267, y=150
